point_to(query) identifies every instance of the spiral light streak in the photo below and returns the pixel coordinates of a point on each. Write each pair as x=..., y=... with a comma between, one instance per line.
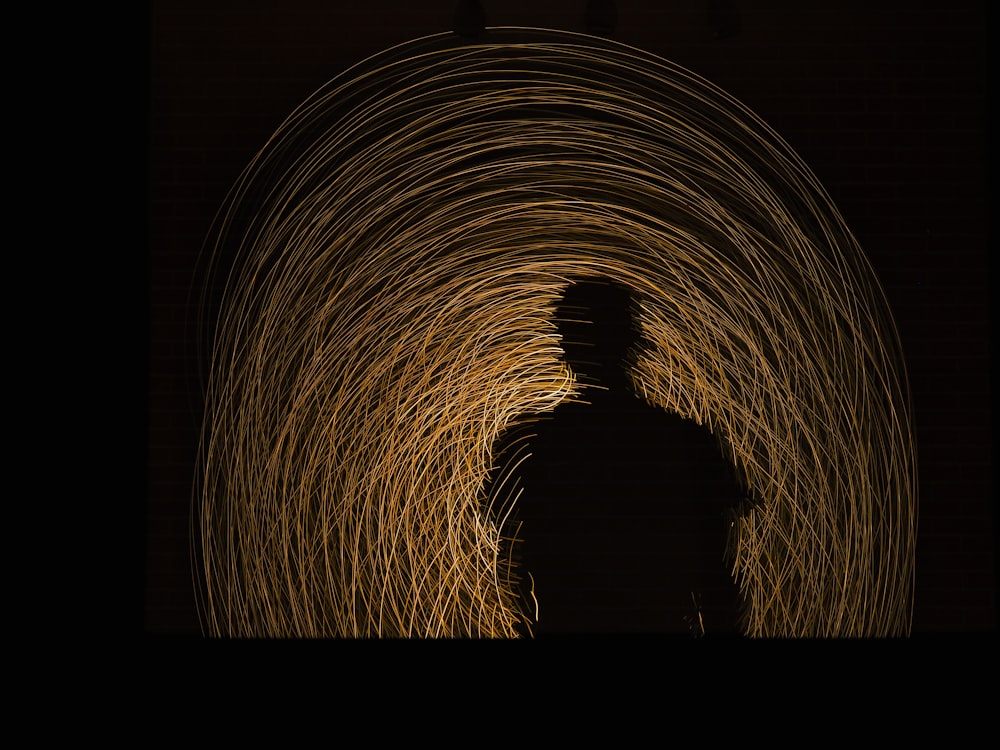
x=401, y=244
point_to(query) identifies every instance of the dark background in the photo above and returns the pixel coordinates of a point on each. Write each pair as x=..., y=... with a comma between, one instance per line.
x=885, y=102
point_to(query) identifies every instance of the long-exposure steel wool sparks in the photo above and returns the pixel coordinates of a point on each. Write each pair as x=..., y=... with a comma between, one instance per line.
x=401, y=244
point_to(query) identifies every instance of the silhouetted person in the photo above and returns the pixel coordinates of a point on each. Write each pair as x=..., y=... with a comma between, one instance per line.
x=624, y=509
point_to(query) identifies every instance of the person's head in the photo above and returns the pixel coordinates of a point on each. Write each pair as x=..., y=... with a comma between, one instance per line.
x=595, y=320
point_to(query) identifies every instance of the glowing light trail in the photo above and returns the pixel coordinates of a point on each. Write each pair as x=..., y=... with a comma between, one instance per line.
x=402, y=242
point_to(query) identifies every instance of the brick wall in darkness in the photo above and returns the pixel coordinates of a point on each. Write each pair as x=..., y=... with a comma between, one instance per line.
x=885, y=102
